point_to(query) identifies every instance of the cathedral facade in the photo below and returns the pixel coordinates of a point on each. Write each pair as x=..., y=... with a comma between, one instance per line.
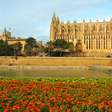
x=96, y=37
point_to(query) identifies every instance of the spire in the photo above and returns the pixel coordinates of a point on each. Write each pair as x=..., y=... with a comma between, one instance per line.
x=75, y=22
x=103, y=20
x=54, y=15
x=97, y=20
x=90, y=20
x=83, y=20
x=5, y=31
x=58, y=19
x=54, y=18
x=111, y=19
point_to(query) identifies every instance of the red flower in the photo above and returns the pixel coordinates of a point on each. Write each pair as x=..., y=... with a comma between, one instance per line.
x=6, y=110
x=43, y=105
x=16, y=107
x=37, y=109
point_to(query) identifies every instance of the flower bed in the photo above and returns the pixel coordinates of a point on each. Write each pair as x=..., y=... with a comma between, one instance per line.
x=55, y=96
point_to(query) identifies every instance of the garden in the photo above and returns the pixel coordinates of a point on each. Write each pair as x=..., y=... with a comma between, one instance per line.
x=56, y=95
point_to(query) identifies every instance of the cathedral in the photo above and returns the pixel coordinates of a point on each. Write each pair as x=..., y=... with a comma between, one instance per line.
x=6, y=36
x=96, y=37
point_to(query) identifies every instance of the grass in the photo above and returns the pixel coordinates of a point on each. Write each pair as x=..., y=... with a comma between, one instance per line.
x=11, y=72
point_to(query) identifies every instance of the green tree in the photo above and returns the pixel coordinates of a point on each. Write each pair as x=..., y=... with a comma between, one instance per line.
x=9, y=50
x=79, y=47
x=30, y=44
x=59, y=47
x=60, y=43
x=17, y=47
x=5, y=49
x=70, y=46
x=50, y=45
x=3, y=46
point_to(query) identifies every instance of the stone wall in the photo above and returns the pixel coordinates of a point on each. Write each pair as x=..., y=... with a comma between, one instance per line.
x=49, y=61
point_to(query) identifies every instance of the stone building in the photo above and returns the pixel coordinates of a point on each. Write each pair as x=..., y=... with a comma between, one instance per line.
x=96, y=37
x=6, y=36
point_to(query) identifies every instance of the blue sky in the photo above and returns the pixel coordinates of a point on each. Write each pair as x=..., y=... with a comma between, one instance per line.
x=27, y=18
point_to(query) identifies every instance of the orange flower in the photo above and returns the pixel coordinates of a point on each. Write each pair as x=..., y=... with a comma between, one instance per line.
x=16, y=107
x=101, y=105
x=43, y=105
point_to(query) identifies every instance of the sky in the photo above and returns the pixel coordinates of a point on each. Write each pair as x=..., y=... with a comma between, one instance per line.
x=32, y=18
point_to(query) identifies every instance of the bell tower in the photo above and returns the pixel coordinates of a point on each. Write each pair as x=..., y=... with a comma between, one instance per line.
x=6, y=34
x=54, y=27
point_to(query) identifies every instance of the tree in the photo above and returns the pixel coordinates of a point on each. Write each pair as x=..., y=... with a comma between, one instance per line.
x=36, y=50
x=79, y=47
x=60, y=43
x=70, y=46
x=31, y=41
x=5, y=49
x=50, y=45
x=17, y=47
x=59, y=47
x=30, y=44
x=9, y=50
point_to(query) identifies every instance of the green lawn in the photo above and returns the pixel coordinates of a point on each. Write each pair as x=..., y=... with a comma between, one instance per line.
x=91, y=72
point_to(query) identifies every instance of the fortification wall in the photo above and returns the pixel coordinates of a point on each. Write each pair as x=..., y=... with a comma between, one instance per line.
x=54, y=61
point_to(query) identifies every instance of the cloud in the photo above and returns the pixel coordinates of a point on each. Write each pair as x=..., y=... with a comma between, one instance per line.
x=33, y=17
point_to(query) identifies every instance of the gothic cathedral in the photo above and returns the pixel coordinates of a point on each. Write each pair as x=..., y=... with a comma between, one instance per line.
x=96, y=37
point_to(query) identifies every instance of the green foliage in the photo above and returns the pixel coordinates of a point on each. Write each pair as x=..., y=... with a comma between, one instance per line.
x=1, y=108
x=70, y=46
x=30, y=44
x=1, y=88
x=60, y=43
x=5, y=49
x=59, y=47
x=17, y=48
x=79, y=47
x=45, y=109
x=50, y=45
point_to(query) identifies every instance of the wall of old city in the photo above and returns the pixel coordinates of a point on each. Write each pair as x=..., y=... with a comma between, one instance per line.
x=54, y=61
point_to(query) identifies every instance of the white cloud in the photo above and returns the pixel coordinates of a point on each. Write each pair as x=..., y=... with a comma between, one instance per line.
x=34, y=16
